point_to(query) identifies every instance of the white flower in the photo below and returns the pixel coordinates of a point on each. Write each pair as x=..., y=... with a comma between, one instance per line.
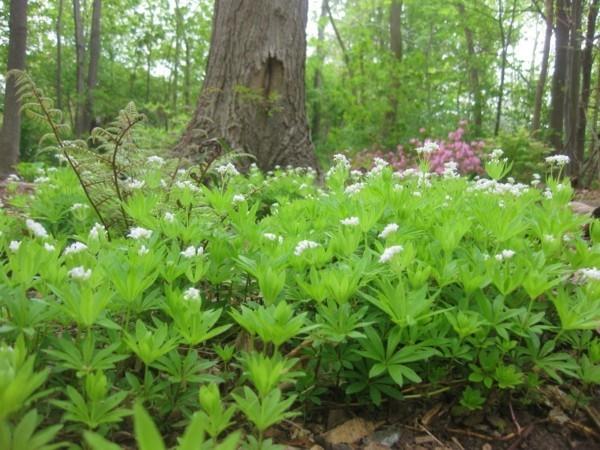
x=354, y=188
x=80, y=273
x=417, y=194
x=227, y=169
x=75, y=247
x=132, y=183
x=273, y=237
x=427, y=148
x=192, y=251
x=559, y=160
x=157, y=160
x=96, y=230
x=49, y=247
x=341, y=160
x=591, y=273
x=505, y=254
x=169, y=217
x=40, y=180
x=238, y=198
x=139, y=233
x=13, y=177
x=389, y=229
x=304, y=245
x=450, y=169
x=548, y=194
x=390, y=252
x=191, y=294
x=77, y=206
x=186, y=184
x=14, y=245
x=350, y=221
x=143, y=250
x=36, y=228
x=496, y=154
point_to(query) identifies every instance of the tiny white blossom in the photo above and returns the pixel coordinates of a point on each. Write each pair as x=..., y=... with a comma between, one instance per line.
x=49, y=247
x=390, y=252
x=143, y=250
x=350, y=221
x=548, y=194
x=14, y=245
x=341, y=160
x=427, y=148
x=77, y=206
x=169, y=217
x=186, y=184
x=354, y=188
x=139, y=233
x=191, y=252
x=389, y=229
x=157, y=160
x=80, y=273
x=304, y=245
x=559, y=160
x=132, y=183
x=36, y=228
x=238, y=198
x=191, y=294
x=273, y=237
x=96, y=230
x=505, y=254
x=591, y=273
x=75, y=247
x=13, y=177
x=40, y=180
x=496, y=154
x=227, y=169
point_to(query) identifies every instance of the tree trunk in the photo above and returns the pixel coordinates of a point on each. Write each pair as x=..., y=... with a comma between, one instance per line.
x=396, y=46
x=474, y=79
x=573, y=88
x=10, y=134
x=254, y=94
x=505, y=36
x=90, y=121
x=79, y=64
x=318, y=80
x=541, y=84
x=188, y=69
x=586, y=70
x=59, y=55
x=557, y=106
x=177, y=55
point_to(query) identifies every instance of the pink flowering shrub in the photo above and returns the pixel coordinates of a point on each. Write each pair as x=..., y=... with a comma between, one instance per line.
x=467, y=155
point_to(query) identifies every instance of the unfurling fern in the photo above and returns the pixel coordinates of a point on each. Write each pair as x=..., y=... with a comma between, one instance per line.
x=105, y=172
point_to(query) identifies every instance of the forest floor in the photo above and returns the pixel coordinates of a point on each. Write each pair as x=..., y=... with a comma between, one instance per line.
x=433, y=424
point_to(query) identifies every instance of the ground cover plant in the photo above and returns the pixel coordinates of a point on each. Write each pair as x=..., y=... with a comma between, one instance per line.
x=197, y=307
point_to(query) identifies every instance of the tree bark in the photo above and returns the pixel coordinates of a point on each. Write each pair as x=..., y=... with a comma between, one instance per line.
x=92, y=81
x=58, y=30
x=541, y=84
x=253, y=95
x=586, y=79
x=177, y=55
x=396, y=46
x=573, y=86
x=10, y=134
x=557, y=106
x=505, y=36
x=318, y=80
x=474, y=79
x=80, y=65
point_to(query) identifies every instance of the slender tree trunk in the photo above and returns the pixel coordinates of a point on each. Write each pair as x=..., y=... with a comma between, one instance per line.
x=80, y=65
x=10, y=134
x=573, y=86
x=397, y=48
x=586, y=71
x=318, y=80
x=541, y=84
x=59, y=102
x=506, y=36
x=148, y=73
x=557, y=106
x=90, y=121
x=253, y=96
x=177, y=55
x=474, y=78
x=340, y=41
x=188, y=68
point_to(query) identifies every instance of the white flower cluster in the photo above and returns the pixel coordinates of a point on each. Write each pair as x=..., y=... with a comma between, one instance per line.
x=450, y=169
x=191, y=252
x=169, y=217
x=494, y=187
x=74, y=248
x=78, y=206
x=350, y=221
x=191, y=294
x=49, y=247
x=591, y=273
x=427, y=148
x=132, y=183
x=139, y=233
x=14, y=246
x=341, y=160
x=96, y=231
x=80, y=273
x=227, y=169
x=504, y=254
x=40, y=180
x=496, y=154
x=273, y=237
x=390, y=252
x=536, y=179
x=36, y=228
x=238, y=198
x=558, y=160
x=380, y=164
x=389, y=229
x=303, y=246
x=186, y=184
x=143, y=250
x=156, y=160
x=354, y=188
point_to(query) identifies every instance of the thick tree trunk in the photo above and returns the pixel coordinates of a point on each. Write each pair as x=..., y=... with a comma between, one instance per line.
x=80, y=66
x=573, y=86
x=557, y=106
x=58, y=30
x=90, y=121
x=474, y=78
x=254, y=94
x=10, y=134
x=586, y=80
x=541, y=84
x=318, y=80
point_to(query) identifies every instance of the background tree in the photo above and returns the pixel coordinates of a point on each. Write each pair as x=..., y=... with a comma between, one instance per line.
x=253, y=95
x=10, y=134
